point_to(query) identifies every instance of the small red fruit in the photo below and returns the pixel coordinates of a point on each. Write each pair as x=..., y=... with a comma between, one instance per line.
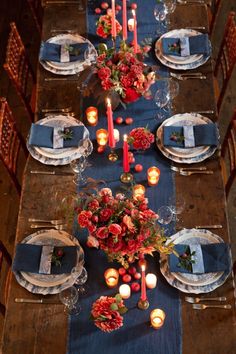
x=59, y=253
x=137, y=276
x=126, y=278
x=100, y=149
x=132, y=270
x=94, y=218
x=104, y=5
x=134, y=6
x=135, y=287
x=138, y=168
x=122, y=271
x=109, y=12
x=118, y=7
x=132, y=160
x=129, y=120
x=97, y=10
x=119, y=120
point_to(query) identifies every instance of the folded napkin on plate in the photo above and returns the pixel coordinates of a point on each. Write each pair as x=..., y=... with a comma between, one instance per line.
x=190, y=135
x=186, y=46
x=208, y=258
x=62, y=53
x=37, y=259
x=52, y=137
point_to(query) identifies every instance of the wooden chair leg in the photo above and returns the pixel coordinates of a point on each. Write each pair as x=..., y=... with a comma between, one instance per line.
x=2, y=309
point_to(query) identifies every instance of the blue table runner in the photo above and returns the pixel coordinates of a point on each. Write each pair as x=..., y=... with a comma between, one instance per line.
x=136, y=336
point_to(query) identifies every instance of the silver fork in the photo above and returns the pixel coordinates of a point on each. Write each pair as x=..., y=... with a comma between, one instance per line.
x=189, y=173
x=63, y=110
x=190, y=2
x=48, y=226
x=203, y=306
x=195, y=300
x=183, y=77
x=180, y=169
x=53, y=222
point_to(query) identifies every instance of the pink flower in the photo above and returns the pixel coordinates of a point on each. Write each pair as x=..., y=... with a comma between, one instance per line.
x=105, y=191
x=114, y=229
x=83, y=218
x=105, y=214
x=102, y=232
x=104, y=73
x=94, y=204
x=128, y=222
x=92, y=242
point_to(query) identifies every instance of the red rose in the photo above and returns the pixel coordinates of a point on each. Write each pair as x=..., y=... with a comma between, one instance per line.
x=105, y=214
x=132, y=245
x=94, y=204
x=91, y=227
x=102, y=232
x=114, y=229
x=83, y=218
x=131, y=95
x=106, y=84
x=104, y=73
x=100, y=32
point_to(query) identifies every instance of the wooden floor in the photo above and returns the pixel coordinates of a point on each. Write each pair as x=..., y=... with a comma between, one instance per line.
x=9, y=200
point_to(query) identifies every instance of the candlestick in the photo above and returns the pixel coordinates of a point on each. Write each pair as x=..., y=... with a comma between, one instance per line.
x=125, y=291
x=153, y=175
x=157, y=318
x=111, y=139
x=116, y=135
x=111, y=276
x=138, y=191
x=135, y=32
x=126, y=166
x=113, y=19
x=124, y=22
x=143, y=303
x=151, y=280
x=102, y=137
x=92, y=115
x=131, y=24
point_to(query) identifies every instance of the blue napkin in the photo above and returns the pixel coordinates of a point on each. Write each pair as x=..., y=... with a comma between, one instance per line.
x=42, y=135
x=186, y=46
x=52, y=51
x=212, y=257
x=27, y=259
x=190, y=136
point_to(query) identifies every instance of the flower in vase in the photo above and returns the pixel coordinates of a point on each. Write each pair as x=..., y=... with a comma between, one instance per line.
x=141, y=138
x=104, y=26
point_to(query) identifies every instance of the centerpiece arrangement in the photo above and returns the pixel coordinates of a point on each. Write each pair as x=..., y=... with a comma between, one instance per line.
x=124, y=228
x=141, y=138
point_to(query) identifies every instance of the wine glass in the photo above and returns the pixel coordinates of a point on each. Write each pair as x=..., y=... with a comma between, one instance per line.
x=160, y=15
x=170, y=6
x=78, y=166
x=81, y=278
x=167, y=89
x=165, y=215
x=69, y=297
x=177, y=206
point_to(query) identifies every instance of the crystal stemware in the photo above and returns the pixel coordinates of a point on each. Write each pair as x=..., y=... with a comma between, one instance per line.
x=167, y=90
x=177, y=206
x=78, y=166
x=80, y=279
x=69, y=297
x=165, y=215
x=161, y=12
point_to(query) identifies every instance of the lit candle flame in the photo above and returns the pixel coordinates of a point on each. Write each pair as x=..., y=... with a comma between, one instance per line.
x=125, y=137
x=108, y=102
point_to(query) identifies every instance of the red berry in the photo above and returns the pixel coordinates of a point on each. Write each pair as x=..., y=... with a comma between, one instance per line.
x=137, y=276
x=134, y=6
x=100, y=149
x=119, y=120
x=132, y=270
x=135, y=287
x=109, y=12
x=129, y=120
x=98, y=11
x=138, y=168
x=132, y=160
x=94, y=218
x=105, y=198
x=59, y=253
x=130, y=154
x=126, y=278
x=104, y=5
x=122, y=271
x=118, y=7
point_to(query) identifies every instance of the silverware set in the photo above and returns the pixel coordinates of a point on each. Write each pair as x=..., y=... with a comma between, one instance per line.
x=52, y=173
x=208, y=227
x=188, y=171
x=188, y=76
x=196, y=305
x=56, y=109
x=191, y=2
x=37, y=301
x=45, y=224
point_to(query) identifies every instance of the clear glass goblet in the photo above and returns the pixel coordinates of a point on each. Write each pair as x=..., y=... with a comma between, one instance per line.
x=177, y=206
x=69, y=297
x=160, y=15
x=81, y=280
x=165, y=215
x=78, y=166
x=170, y=6
x=167, y=90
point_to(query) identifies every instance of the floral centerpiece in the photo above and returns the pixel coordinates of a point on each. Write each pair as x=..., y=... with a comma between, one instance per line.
x=106, y=313
x=141, y=138
x=122, y=227
x=104, y=26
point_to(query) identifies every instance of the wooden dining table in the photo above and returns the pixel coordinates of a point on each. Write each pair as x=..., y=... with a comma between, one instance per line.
x=42, y=328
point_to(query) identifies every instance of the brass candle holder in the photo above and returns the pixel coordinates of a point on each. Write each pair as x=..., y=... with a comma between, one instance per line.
x=113, y=157
x=126, y=177
x=143, y=304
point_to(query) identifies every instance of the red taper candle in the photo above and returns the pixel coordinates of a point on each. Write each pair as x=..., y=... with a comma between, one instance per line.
x=124, y=20
x=135, y=32
x=113, y=18
x=126, y=167
x=111, y=138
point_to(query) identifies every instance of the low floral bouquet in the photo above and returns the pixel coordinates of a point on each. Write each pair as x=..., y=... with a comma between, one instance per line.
x=122, y=227
x=106, y=313
x=104, y=26
x=141, y=138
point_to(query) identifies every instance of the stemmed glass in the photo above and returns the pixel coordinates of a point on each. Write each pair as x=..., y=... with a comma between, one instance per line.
x=167, y=89
x=69, y=297
x=80, y=276
x=177, y=206
x=78, y=166
x=161, y=11
x=165, y=215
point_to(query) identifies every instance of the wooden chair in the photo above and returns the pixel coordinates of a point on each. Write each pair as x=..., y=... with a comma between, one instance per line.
x=10, y=142
x=226, y=60
x=19, y=70
x=228, y=155
x=213, y=12
x=4, y=256
x=37, y=13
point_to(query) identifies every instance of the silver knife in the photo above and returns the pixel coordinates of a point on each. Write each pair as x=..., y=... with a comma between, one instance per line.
x=208, y=227
x=54, y=173
x=37, y=301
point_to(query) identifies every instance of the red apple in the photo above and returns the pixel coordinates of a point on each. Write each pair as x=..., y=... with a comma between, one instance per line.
x=97, y=11
x=137, y=276
x=134, y=6
x=122, y=271
x=129, y=120
x=104, y=5
x=119, y=120
x=126, y=278
x=132, y=270
x=135, y=287
x=138, y=168
x=100, y=149
x=118, y=7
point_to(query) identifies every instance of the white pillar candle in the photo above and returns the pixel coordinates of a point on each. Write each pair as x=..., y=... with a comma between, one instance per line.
x=125, y=291
x=151, y=280
x=116, y=135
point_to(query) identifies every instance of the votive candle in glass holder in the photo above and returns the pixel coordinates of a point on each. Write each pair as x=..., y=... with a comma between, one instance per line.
x=102, y=137
x=157, y=318
x=116, y=135
x=111, y=276
x=151, y=280
x=125, y=291
x=92, y=116
x=131, y=24
x=138, y=191
x=153, y=175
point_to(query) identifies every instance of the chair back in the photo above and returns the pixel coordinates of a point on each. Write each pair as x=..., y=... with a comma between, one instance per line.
x=10, y=142
x=228, y=155
x=19, y=69
x=226, y=59
x=37, y=13
x=213, y=11
x=4, y=257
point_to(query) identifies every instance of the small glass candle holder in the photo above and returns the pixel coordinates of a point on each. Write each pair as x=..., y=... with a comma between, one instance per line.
x=131, y=24
x=111, y=276
x=92, y=116
x=157, y=318
x=102, y=137
x=125, y=291
x=153, y=175
x=116, y=135
x=151, y=280
x=138, y=191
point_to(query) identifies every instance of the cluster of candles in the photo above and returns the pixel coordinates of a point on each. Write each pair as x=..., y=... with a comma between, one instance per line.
x=111, y=276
